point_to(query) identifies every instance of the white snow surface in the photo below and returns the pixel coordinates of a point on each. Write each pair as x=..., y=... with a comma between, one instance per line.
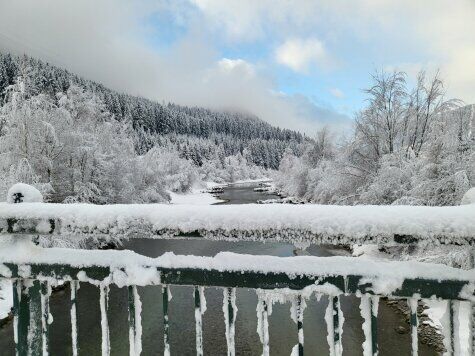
x=314, y=223
x=29, y=193
x=6, y=297
x=195, y=197
x=468, y=197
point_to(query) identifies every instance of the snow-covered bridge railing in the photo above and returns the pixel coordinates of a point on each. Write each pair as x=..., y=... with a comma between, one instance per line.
x=318, y=224
x=34, y=269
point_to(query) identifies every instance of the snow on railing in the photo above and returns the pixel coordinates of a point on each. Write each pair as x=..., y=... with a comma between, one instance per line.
x=34, y=270
x=290, y=223
x=276, y=279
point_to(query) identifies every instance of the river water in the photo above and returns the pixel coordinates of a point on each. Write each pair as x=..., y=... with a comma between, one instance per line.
x=283, y=331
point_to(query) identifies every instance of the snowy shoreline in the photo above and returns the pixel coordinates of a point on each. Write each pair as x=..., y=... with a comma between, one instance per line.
x=205, y=196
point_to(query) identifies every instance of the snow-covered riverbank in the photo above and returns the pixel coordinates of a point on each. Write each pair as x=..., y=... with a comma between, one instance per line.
x=195, y=197
x=202, y=196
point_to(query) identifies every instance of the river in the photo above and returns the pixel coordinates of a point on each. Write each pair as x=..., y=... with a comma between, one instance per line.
x=283, y=331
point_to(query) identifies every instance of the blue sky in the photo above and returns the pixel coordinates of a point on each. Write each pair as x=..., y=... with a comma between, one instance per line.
x=300, y=64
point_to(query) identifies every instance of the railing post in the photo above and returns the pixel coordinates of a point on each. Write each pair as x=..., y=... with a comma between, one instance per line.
x=263, y=324
x=16, y=285
x=336, y=322
x=369, y=311
x=300, y=324
x=471, y=339
x=452, y=316
x=74, y=285
x=166, y=325
x=135, y=322
x=374, y=303
x=27, y=305
x=199, y=310
x=229, y=310
x=413, y=303
x=104, y=306
x=28, y=314
x=45, y=315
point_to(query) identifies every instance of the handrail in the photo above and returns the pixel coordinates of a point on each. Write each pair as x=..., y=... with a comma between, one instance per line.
x=32, y=269
x=316, y=224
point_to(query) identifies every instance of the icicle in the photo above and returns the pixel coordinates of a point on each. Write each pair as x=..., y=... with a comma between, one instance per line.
x=334, y=320
x=74, y=330
x=448, y=328
x=203, y=300
x=200, y=308
x=104, y=301
x=16, y=305
x=369, y=312
x=456, y=327
x=46, y=317
x=296, y=313
x=263, y=323
x=135, y=322
x=230, y=311
x=166, y=297
x=138, y=321
x=413, y=303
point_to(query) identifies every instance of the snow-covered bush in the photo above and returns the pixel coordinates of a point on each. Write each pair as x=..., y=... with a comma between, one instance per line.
x=230, y=169
x=176, y=174
x=392, y=182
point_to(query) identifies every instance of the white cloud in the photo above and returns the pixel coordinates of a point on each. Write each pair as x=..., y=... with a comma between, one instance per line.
x=337, y=93
x=239, y=66
x=300, y=54
x=432, y=31
x=105, y=41
x=247, y=20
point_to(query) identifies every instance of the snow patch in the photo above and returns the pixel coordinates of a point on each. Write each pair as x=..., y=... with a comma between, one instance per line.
x=195, y=197
x=23, y=193
x=6, y=297
x=468, y=197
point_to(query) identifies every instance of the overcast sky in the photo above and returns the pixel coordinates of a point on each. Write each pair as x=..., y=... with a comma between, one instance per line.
x=298, y=64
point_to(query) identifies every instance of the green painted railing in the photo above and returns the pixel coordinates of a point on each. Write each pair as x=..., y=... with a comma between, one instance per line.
x=31, y=297
x=32, y=281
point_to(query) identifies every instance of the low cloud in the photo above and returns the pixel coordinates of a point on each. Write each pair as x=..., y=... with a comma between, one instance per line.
x=106, y=41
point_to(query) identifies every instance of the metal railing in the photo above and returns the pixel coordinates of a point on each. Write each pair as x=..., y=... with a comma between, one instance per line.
x=32, y=287
x=32, y=282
